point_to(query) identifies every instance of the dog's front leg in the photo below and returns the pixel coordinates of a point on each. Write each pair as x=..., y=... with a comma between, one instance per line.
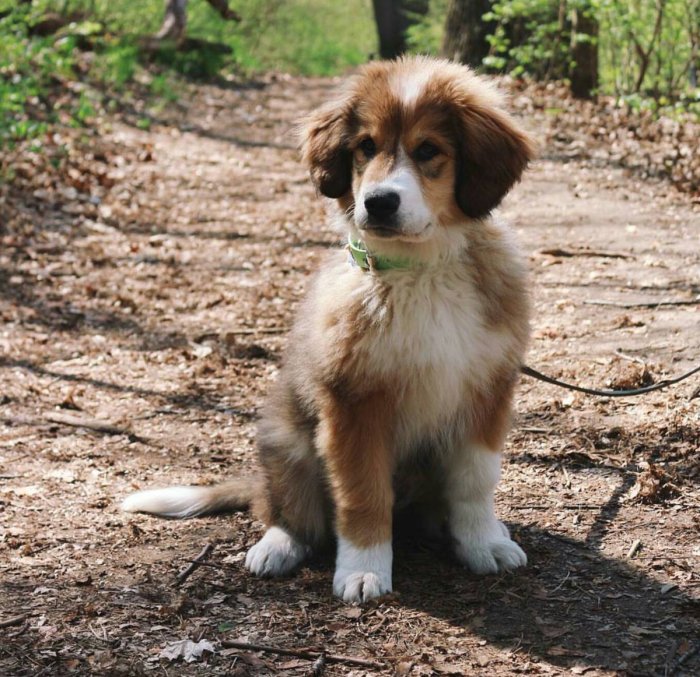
x=482, y=542
x=354, y=439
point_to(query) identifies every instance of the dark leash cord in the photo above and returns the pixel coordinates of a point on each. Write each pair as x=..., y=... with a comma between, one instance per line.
x=529, y=371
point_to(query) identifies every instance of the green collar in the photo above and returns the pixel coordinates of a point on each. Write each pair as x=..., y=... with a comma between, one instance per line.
x=367, y=261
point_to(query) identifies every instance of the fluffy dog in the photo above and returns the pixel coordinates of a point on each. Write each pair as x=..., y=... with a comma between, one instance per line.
x=397, y=384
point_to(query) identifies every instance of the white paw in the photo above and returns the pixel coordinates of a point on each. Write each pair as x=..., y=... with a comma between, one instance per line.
x=356, y=587
x=490, y=550
x=362, y=574
x=276, y=554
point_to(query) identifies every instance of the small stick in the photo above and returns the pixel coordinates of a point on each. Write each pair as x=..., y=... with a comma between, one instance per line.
x=215, y=566
x=685, y=657
x=302, y=653
x=566, y=578
x=567, y=253
x=544, y=506
x=75, y=421
x=17, y=633
x=648, y=304
x=631, y=358
x=567, y=479
x=669, y=656
x=259, y=330
x=104, y=637
x=15, y=620
x=633, y=549
x=319, y=666
x=194, y=565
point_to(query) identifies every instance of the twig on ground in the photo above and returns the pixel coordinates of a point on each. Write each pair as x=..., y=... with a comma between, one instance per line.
x=259, y=330
x=670, y=654
x=567, y=478
x=566, y=578
x=684, y=658
x=544, y=506
x=77, y=421
x=630, y=358
x=568, y=253
x=104, y=637
x=15, y=620
x=642, y=304
x=633, y=549
x=217, y=565
x=302, y=653
x=18, y=633
x=194, y=565
x=319, y=666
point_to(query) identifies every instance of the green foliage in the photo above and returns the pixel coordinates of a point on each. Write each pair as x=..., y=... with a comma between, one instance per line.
x=119, y=62
x=312, y=37
x=628, y=28
x=26, y=69
x=425, y=35
x=162, y=87
x=535, y=37
x=99, y=53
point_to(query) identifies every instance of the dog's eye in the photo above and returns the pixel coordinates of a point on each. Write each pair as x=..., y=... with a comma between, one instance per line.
x=426, y=151
x=368, y=147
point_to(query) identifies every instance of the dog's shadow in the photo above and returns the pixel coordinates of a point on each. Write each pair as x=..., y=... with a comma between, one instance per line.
x=571, y=606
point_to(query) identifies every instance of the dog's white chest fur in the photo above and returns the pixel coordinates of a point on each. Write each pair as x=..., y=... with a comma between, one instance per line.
x=434, y=342
x=428, y=336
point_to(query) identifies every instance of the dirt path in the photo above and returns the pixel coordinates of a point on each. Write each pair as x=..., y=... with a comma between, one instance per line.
x=161, y=312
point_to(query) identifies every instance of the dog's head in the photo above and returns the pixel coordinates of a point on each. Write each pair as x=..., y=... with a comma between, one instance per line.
x=414, y=145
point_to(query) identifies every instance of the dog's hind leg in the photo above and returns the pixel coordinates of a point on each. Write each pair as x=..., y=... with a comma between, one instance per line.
x=294, y=502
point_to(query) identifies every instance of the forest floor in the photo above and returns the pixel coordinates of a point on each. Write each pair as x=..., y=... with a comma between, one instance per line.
x=145, y=294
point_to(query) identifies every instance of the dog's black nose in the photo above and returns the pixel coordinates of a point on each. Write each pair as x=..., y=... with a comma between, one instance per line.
x=381, y=206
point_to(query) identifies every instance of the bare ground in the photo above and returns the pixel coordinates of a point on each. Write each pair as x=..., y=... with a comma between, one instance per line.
x=139, y=337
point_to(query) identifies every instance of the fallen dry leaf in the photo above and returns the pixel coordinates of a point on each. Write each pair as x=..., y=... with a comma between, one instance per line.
x=186, y=649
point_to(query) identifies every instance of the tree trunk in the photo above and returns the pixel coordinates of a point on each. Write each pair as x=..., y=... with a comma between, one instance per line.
x=225, y=12
x=466, y=31
x=393, y=17
x=645, y=54
x=584, y=74
x=174, y=21
x=392, y=41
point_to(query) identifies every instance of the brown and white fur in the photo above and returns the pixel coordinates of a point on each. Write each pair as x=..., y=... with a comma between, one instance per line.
x=397, y=383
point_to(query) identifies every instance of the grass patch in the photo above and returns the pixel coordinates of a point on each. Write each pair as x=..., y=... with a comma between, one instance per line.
x=71, y=73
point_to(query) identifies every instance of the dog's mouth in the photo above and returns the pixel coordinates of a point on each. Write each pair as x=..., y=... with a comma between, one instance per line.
x=391, y=232
x=384, y=232
x=385, y=226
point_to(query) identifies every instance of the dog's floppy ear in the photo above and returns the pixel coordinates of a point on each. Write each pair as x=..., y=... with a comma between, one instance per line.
x=324, y=145
x=492, y=154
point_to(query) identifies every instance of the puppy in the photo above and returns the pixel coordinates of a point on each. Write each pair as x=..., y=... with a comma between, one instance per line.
x=398, y=379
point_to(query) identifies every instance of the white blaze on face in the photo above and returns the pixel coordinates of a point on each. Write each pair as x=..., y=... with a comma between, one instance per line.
x=413, y=216
x=408, y=86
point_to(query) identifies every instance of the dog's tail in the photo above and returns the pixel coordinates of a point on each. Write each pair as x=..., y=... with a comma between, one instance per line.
x=185, y=502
